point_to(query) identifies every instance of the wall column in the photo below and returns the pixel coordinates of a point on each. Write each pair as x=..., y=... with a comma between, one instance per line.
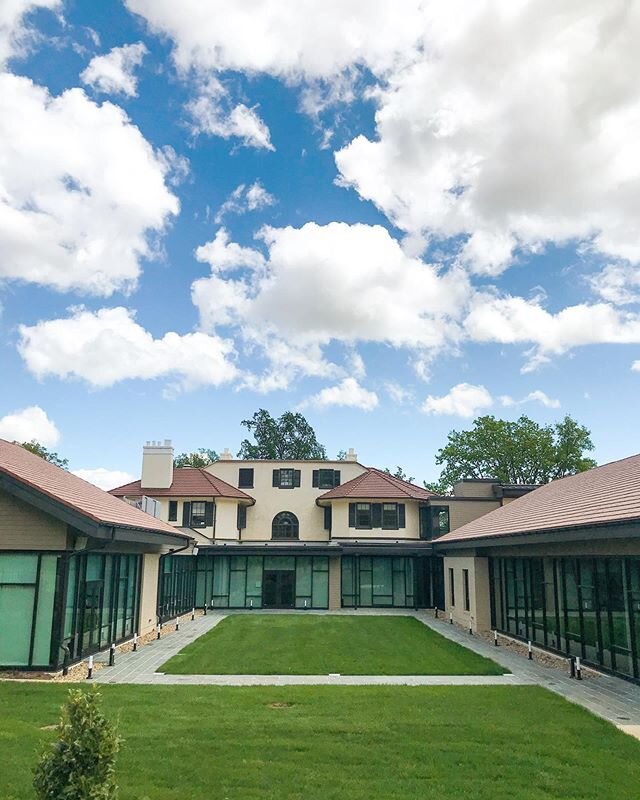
x=335, y=583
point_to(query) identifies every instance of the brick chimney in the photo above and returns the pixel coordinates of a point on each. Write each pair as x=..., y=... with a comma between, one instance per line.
x=157, y=465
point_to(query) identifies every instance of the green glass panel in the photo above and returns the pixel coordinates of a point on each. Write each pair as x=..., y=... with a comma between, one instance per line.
x=237, y=589
x=366, y=596
x=16, y=612
x=254, y=582
x=71, y=598
x=382, y=581
x=303, y=578
x=320, y=563
x=279, y=562
x=347, y=581
x=399, y=584
x=107, y=611
x=44, y=614
x=320, y=589
x=18, y=568
x=220, y=593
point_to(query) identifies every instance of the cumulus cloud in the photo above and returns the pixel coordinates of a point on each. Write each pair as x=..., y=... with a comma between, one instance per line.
x=537, y=396
x=27, y=424
x=213, y=113
x=245, y=198
x=463, y=400
x=114, y=73
x=347, y=393
x=15, y=33
x=65, y=222
x=109, y=346
x=104, y=478
x=617, y=283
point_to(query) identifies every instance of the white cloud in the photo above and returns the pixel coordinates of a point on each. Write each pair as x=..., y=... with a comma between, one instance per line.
x=114, y=73
x=213, y=114
x=245, y=198
x=617, y=283
x=27, y=424
x=15, y=33
x=398, y=393
x=65, y=221
x=537, y=396
x=347, y=393
x=108, y=346
x=104, y=478
x=535, y=144
x=463, y=400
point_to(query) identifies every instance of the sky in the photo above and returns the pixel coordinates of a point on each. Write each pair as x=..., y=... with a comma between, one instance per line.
x=391, y=222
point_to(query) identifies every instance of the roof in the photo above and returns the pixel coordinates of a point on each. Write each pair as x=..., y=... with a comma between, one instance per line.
x=602, y=495
x=82, y=497
x=377, y=484
x=187, y=482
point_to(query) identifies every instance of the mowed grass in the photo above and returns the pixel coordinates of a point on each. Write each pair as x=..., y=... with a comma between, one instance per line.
x=298, y=644
x=336, y=743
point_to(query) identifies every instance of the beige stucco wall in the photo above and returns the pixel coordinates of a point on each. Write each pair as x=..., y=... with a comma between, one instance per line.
x=270, y=500
x=474, y=488
x=463, y=511
x=340, y=522
x=148, y=592
x=23, y=527
x=177, y=523
x=478, y=617
x=335, y=583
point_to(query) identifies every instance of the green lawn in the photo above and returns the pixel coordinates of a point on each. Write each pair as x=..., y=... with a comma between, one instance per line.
x=337, y=743
x=298, y=644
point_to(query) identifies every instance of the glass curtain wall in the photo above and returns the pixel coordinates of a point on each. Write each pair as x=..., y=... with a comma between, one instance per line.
x=176, y=586
x=378, y=581
x=586, y=607
x=262, y=581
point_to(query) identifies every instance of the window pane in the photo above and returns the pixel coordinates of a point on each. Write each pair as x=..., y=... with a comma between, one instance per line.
x=325, y=479
x=363, y=515
x=390, y=516
x=44, y=614
x=286, y=478
x=16, y=611
x=198, y=514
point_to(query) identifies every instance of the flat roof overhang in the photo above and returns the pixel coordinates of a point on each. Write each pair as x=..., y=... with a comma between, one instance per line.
x=583, y=533
x=296, y=548
x=103, y=531
x=394, y=548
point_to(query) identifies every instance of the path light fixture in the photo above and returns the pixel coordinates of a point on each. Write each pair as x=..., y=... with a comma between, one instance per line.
x=193, y=614
x=495, y=638
x=158, y=632
x=529, y=651
x=90, y=668
x=135, y=642
x=112, y=654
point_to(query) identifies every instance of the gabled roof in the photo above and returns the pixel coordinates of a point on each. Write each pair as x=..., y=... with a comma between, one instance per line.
x=30, y=477
x=606, y=494
x=374, y=483
x=187, y=482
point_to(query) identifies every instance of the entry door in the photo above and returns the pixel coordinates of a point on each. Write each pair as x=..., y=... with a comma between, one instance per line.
x=278, y=588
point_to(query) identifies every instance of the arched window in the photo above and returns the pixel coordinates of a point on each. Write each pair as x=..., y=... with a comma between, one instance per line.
x=284, y=526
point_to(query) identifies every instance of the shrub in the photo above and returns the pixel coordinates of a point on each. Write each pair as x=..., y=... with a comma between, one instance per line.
x=80, y=764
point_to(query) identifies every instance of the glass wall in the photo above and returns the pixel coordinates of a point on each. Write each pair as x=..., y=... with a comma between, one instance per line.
x=378, y=581
x=176, y=586
x=262, y=581
x=586, y=607
x=27, y=596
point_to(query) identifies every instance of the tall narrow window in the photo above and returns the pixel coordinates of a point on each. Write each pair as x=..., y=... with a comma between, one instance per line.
x=363, y=515
x=390, y=516
x=465, y=589
x=173, y=511
x=452, y=589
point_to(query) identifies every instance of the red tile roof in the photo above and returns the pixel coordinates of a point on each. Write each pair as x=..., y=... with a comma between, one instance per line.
x=73, y=492
x=610, y=493
x=187, y=482
x=374, y=483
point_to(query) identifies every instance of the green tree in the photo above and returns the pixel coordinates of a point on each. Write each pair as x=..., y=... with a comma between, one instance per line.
x=288, y=437
x=521, y=452
x=341, y=455
x=49, y=455
x=399, y=473
x=202, y=457
x=80, y=765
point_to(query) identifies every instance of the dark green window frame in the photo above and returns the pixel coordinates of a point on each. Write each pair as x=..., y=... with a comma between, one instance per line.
x=452, y=588
x=364, y=516
x=325, y=478
x=173, y=511
x=465, y=590
x=245, y=478
x=286, y=478
x=285, y=525
x=434, y=521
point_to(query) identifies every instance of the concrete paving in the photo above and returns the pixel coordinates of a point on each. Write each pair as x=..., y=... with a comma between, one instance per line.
x=613, y=699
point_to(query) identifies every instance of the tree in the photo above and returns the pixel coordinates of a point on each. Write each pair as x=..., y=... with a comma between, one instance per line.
x=522, y=452
x=40, y=450
x=341, y=455
x=202, y=457
x=80, y=765
x=399, y=473
x=287, y=437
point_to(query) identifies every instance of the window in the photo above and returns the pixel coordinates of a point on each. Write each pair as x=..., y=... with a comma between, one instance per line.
x=326, y=478
x=327, y=518
x=284, y=526
x=173, y=511
x=390, y=516
x=465, y=589
x=198, y=512
x=245, y=478
x=286, y=478
x=434, y=521
x=242, y=517
x=363, y=515
x=452, y=589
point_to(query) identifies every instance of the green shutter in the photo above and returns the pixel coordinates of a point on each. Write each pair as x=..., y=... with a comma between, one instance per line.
x=314, y=479
x=401, y=516
x=242, y=517
x=208, y=515
x=327, y=518
x=336, y=477
x=276, y=477
x=296, y=477
x=186, y=514
x=376, y=515
x=352, y=515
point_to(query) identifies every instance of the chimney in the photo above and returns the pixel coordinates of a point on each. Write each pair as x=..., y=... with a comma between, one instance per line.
x=226, y=455
x=351, y=455
x=157, y=465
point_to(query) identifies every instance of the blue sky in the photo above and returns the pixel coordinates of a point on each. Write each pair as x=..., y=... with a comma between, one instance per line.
x=208, y=208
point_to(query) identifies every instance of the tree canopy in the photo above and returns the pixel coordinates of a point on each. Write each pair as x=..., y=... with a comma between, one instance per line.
x=201, y=457
x=399, y=473
x=289, y=436
x=521, y=452
x=49, y=455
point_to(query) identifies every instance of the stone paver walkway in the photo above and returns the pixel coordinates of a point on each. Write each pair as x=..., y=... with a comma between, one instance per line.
x=615, y=700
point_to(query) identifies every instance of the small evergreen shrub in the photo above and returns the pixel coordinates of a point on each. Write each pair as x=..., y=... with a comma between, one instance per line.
x=80, y=764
